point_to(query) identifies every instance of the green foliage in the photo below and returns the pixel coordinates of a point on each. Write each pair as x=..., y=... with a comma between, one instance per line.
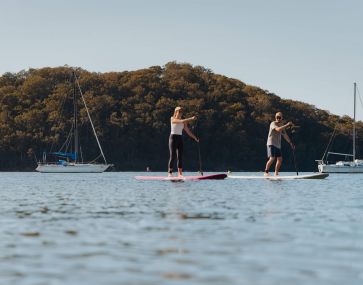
x=131, y=113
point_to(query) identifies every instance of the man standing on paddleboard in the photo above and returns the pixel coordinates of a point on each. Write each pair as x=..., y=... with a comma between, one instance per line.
x=176, y=140
x=277, y=128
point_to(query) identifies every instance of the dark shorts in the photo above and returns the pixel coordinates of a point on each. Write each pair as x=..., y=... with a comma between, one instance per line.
x=273, y=151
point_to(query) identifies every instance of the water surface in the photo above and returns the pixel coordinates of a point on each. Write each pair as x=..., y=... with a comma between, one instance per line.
x=111, y=229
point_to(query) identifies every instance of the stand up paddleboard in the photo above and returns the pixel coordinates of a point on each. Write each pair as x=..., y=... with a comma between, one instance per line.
x=185, y=178
x=291, y=177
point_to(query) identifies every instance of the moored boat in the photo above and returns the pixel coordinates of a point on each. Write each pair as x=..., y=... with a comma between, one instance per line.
x=69, y=158
x=343, y=166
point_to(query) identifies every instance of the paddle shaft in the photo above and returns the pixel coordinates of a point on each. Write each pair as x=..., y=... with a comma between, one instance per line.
x=199, y=155
x=293, y=155
x=200, y=160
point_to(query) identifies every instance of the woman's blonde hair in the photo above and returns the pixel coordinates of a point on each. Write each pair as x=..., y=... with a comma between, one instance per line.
x=177, y=109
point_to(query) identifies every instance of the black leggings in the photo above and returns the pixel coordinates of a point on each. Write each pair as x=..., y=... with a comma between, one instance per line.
x=175, y=151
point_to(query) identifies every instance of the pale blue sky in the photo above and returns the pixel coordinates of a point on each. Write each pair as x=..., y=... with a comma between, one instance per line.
x=306, y=50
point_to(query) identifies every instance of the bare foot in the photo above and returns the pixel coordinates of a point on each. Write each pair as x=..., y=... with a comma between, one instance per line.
x=266, y=174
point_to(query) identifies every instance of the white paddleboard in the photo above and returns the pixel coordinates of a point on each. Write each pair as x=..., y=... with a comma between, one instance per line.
x=281, y=177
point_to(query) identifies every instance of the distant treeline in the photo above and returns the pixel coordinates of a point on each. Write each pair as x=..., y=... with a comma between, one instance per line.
x=131, y=112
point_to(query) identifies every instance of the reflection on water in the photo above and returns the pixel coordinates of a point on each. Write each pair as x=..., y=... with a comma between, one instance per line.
x=112, y=229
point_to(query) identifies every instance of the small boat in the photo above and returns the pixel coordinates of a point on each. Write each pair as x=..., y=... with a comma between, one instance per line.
x=184, y=178
x=69, y=158
x=347, y=166
x=71, y=167
x=281, y=177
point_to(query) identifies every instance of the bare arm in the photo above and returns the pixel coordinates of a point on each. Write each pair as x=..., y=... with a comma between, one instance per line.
x=287, y=138
x=178, y=121
x=280, y=129
x=189, y=132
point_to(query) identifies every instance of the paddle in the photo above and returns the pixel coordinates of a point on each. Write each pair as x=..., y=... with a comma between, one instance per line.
x=199, y=155
x=200, y=160
x=293, y=153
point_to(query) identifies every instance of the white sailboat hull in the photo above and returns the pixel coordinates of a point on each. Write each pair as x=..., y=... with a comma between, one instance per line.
x=334, y=168
x=72, y=168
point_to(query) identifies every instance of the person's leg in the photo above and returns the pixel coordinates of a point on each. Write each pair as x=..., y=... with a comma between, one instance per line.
x=172, y=155
x=268, y=165
x=180, y=156
x=271, y=159
x=278, y=165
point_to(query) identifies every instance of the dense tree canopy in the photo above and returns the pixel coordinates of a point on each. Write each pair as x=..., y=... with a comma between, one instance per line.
x=131, y=112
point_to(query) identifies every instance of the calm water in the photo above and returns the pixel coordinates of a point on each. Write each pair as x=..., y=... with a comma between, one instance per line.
x=111, y=229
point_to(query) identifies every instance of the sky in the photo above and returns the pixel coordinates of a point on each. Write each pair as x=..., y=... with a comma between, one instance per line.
x=310, y=51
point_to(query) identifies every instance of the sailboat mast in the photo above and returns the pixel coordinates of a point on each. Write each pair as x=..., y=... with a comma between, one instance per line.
x=89, y=117
x=355, y=95
x=75, y=118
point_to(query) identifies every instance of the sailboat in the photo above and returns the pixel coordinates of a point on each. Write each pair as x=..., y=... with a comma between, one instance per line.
x=69, y=158
x=347, y=166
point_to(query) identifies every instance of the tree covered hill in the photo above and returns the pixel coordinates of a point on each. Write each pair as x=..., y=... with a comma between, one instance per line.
x=131, y=112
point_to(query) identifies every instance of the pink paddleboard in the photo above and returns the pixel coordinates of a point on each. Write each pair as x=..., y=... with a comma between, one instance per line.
x=185, y=178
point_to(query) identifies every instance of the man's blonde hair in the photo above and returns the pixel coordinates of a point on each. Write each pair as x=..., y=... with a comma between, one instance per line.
x=278, y=114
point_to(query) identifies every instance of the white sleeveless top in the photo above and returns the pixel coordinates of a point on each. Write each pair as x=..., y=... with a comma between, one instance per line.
x=176, y=129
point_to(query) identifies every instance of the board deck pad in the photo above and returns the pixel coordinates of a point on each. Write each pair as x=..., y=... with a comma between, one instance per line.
x=184, y=178
x=281, y=177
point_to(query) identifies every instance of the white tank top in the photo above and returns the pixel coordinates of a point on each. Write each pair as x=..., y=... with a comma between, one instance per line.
x=177, y=128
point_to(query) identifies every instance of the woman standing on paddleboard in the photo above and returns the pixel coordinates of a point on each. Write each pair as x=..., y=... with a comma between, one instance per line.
x=176, y=140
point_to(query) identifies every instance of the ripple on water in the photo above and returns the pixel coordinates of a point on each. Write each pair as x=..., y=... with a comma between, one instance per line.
x=111, y=229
